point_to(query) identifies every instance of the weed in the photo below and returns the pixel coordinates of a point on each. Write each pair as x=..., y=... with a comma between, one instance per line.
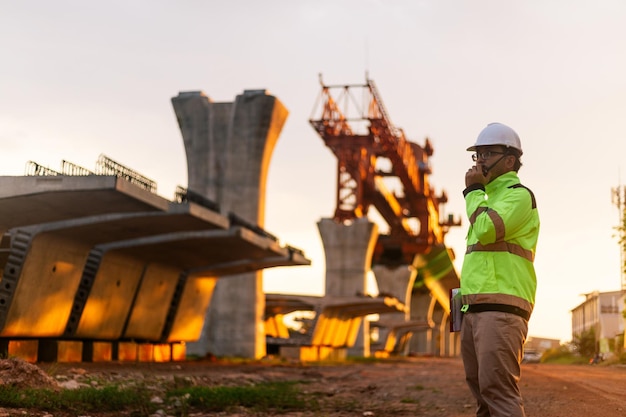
x=278, y=396
x=410, y=401
x=109, y=398
x=267, y=397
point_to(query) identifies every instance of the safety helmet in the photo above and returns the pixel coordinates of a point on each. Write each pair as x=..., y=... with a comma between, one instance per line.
x=497, y=134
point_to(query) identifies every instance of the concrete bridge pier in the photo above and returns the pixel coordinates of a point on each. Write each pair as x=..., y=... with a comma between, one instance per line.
x=348, y=250
x=229, y=147
x=422, y=306
x=396, y=282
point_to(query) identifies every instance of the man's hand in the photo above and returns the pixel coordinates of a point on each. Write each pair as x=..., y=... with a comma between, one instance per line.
x=474, y=175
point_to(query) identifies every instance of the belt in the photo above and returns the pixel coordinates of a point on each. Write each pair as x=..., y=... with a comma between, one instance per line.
x=504, y=308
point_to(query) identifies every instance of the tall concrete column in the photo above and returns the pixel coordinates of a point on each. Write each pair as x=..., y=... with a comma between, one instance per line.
x=229, y=147
x=397, y=282
x=348, y=250
x=422, y=304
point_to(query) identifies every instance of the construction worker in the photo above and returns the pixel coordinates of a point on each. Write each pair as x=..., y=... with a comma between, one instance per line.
x=498, y=279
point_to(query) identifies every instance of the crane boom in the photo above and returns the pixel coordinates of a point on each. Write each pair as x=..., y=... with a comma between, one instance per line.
x=370, y=151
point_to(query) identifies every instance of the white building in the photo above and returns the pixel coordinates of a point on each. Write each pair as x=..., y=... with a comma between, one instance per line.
x=601, y=311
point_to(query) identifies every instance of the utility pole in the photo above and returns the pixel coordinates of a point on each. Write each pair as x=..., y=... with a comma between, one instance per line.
x=618, y=196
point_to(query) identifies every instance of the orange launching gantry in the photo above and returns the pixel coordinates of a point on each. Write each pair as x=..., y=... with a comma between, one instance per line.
x=373, y=154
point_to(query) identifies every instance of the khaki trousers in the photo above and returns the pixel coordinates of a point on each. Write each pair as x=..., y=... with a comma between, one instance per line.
x=492, y=345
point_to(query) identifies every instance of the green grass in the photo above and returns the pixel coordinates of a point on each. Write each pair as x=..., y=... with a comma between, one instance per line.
x=277, y=396
x=109, y=398
x=280, y=396
x=410, y=401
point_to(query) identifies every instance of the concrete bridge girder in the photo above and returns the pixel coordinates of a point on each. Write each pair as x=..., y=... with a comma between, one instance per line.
x=397, y=334
x=35, y=200
x=156, y=251
x=338, y=319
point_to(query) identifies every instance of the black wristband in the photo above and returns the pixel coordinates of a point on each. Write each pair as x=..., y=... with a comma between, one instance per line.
x=473, y=187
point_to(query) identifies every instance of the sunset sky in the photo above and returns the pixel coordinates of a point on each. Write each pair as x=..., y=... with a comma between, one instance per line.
x=79, y=79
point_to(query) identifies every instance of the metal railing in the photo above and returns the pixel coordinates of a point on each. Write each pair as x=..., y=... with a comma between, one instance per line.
x=104, y=166
x=107, y=166
x=69, y=168
x=35, y=169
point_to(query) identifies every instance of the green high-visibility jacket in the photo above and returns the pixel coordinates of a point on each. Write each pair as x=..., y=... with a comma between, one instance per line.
x=501, y=242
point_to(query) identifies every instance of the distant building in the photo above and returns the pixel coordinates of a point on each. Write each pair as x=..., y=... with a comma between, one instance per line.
x=540, y=344
x=601, y=311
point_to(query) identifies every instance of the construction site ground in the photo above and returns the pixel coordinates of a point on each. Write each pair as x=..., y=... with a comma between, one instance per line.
x=421, y=386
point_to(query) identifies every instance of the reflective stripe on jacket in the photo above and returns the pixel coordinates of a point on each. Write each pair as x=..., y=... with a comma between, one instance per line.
x=501, y=242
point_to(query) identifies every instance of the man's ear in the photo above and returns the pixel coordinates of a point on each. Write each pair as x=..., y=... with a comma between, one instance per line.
x=510, y=161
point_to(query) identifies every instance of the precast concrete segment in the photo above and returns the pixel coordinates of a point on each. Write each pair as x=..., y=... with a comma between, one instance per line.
x=190, y=311
x=33, y=200
x=275, y=327
x=133, y=268
x=285, y=303
x=110, y=301
x=363, y=306
x=338, y=319
x=119, y=226
x=78, y=235
x=89, y=231
x=397, y=332
x=114, y=227
x=344, y=306
x=75, y=238
x=279, y=305
x=44, y=288
x=152, y=302
x=234, y=250
x=229, y=148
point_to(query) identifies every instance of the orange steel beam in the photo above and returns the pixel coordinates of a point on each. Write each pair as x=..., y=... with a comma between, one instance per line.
x=359, y=132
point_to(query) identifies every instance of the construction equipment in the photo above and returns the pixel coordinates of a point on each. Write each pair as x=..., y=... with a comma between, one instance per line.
x=377, y=166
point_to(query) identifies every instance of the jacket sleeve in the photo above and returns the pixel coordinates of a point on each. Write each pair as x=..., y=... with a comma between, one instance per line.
x=498, y=220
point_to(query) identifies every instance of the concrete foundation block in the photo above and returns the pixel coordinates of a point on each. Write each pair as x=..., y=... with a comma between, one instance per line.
x=102, y=352
x=69, y=351
x=127, y=351
x=145, y=353
x=24, y=349
x=313, y=353
x=179, y=351
x=162, y=353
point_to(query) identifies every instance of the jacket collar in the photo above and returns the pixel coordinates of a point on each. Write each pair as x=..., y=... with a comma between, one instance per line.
x=505, y=180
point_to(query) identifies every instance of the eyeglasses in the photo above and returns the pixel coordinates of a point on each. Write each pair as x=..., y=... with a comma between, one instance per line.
x=485, y=155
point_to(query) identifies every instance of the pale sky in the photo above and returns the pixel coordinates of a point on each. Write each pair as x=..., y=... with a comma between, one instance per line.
x=81, y=78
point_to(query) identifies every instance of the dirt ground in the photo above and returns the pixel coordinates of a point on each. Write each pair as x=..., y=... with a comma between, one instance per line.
x=395, y=387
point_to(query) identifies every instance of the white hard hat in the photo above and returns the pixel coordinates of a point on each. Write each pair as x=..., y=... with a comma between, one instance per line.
x=497, y=134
